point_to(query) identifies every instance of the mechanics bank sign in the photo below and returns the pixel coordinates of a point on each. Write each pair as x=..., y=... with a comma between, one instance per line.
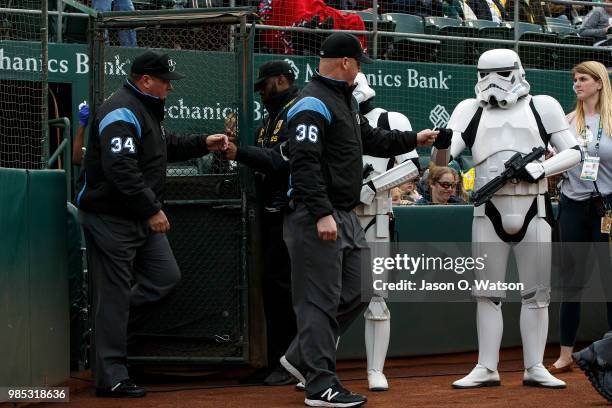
x=75, y=64
x=395, y=76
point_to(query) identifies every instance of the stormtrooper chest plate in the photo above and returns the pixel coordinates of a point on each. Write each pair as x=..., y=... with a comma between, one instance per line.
x=502, y=133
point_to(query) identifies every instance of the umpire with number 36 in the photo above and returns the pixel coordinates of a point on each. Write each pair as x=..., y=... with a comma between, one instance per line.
x=120, y=208
x=326, y=243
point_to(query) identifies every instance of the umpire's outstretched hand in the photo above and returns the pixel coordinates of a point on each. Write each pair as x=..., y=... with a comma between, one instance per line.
x=216, y=143
x=426, y=137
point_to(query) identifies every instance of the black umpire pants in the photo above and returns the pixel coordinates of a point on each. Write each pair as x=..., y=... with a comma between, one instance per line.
x=280, y=318
x=327, y=297
x=129, y=268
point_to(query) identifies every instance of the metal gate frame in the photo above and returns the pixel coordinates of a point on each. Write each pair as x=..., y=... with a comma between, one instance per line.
x=243, y=46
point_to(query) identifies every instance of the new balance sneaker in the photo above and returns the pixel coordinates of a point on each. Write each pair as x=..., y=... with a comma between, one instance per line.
x=279, y=376
x=335, y=396
x=293, y=370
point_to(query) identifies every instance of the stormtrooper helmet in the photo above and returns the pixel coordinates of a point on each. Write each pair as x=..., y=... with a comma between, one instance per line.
x=362, y=91
x=501, y=78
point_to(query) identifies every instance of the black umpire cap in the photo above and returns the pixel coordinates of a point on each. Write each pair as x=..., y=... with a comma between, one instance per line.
x=272, y=69
x=157, y=64
x=339, y=45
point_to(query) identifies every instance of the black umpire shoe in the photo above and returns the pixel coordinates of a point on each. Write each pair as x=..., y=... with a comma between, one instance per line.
x=123, y=389
x=279, y=376
x=335, y=396
x=599, y=375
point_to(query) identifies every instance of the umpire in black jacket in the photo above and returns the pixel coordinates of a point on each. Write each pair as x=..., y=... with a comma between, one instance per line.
x=327, y=138
x=275, y=85
x=120, y=201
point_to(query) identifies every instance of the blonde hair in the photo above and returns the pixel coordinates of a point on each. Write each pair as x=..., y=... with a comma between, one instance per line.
x=598, y=72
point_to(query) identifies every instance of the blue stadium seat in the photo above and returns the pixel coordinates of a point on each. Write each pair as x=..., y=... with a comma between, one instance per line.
x=454, y=51
x=410, y=49
x=558, y=21
x=561, y=29
x=534, y=56
x=481, y=23
x=434, y=24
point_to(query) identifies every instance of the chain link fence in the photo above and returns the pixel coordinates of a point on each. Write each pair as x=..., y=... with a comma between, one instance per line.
x=23, y=87
x=204, y=319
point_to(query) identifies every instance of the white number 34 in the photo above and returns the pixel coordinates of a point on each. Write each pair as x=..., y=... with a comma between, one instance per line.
x=311, y=132
x=118, y=144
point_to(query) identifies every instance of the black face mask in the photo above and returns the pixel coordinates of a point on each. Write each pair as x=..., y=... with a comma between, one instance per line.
x=275, y=103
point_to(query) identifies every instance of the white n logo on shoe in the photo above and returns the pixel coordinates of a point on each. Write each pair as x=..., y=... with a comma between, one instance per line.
x=328, y=394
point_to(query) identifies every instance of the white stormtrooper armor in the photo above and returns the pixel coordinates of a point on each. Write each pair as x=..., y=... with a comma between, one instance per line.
x=374, y=218
x=504, y=120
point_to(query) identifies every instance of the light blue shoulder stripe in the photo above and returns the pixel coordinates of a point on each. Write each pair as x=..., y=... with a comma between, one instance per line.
x=309, y=103
x=120, y=114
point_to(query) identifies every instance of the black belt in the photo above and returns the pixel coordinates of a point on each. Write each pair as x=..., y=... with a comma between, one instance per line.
x=495, y=217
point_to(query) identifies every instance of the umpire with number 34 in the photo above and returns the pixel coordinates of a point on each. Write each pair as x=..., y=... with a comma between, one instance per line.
x=120, y=208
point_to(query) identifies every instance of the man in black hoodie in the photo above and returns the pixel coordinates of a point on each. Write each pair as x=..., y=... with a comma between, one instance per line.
x=275, y=86
x=120, y=198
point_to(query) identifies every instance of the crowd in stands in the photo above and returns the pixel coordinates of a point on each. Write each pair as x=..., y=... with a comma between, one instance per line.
x=437, y=185
x=341, y=14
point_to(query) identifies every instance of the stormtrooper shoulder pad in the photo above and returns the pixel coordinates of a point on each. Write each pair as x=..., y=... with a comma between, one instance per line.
x=550, y=111
x=463, y=114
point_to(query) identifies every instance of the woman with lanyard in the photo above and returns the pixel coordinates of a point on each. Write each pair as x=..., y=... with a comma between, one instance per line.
x=586, y=199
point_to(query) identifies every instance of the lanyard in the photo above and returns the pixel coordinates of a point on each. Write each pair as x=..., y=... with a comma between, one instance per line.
x=599, y=134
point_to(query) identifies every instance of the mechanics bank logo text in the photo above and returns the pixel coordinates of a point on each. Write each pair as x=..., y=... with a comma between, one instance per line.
x=410, y=78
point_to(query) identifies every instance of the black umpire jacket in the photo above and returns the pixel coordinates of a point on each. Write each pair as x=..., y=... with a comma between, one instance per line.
x=327, y=138
x=124, y=169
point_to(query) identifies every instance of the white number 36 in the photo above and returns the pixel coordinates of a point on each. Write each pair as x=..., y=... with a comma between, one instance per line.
x=312, y=132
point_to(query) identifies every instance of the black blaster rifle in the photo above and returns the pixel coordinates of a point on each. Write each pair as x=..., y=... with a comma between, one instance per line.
x=515, y=168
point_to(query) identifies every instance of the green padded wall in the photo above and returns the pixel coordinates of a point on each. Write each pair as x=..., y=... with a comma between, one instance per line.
x=436, y=328
x=34, y=342
x=14, y=279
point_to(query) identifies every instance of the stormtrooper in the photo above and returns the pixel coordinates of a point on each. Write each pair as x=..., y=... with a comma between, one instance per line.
x=374, y=218
x=504, y=120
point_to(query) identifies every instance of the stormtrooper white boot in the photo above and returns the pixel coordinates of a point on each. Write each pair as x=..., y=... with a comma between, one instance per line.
x=490, y=326
x=534, y=330
x=377, y=332
x=480, y=376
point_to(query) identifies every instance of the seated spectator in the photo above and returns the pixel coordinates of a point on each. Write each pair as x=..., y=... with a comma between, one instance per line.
x=303, y=13
x=529, y=11
x=442, y=183
x=492, y=10
x=453, y=9
x=597, y=23
x=409, y=192
x=422, y=185
x=396, y=196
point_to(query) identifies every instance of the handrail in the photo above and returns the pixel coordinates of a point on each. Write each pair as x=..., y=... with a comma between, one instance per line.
x=65, y=150
x=81, y=7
